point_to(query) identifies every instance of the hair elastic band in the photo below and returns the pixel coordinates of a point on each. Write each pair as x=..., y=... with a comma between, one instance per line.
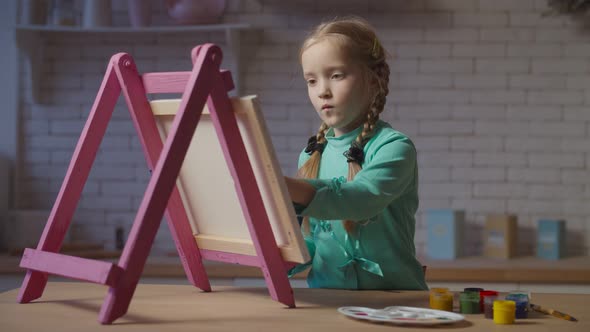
x=313, y=146
x=374, y=51
x=355, y=153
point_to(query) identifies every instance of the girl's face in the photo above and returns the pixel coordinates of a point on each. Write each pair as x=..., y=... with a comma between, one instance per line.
x=336, y=86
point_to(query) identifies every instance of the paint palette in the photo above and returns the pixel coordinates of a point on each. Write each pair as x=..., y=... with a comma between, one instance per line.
x=402, y=315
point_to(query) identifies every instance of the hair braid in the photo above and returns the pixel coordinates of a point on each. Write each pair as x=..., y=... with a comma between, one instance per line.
x=380, y=73
x=310, y=169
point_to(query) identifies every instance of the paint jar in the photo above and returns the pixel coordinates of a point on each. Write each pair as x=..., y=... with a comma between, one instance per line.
x=469, y=303
x=488, y=306
x=482, y=296
x=441, y=299
x=504, y=312
x=522, y=303
x=478, y=291
x=436, y=290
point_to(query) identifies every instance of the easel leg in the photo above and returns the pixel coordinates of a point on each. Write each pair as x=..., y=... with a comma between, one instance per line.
x=147, y=130
x=279, y=287
x=155, y=200
x=74, y=181
x=136, y=251
x=272, y=263
x=187, y=248
x=32, y=287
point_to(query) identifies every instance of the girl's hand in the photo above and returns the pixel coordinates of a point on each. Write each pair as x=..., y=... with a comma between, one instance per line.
x=300, y=191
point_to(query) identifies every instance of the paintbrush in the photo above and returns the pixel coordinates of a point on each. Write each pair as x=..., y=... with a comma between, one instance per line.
x=553, y=313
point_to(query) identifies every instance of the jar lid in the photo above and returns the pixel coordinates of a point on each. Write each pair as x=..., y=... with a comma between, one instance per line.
x=518, y=298
x=504, y=305
x=447, y=295
x=472, y=289
x=439, y=290
x=488, y=292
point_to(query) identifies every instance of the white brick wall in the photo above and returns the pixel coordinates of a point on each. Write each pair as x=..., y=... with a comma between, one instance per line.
x=495, y=97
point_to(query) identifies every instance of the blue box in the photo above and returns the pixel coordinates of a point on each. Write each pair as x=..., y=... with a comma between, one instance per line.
x=550, y=239
x=445, y=233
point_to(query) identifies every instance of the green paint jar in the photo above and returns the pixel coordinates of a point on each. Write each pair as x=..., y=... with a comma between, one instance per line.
x=469, y=303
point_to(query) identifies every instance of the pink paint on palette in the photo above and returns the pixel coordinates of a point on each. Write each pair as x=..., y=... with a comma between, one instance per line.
x=402, y=315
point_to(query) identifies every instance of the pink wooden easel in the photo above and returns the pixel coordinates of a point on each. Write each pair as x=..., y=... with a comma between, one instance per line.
x=206, y=83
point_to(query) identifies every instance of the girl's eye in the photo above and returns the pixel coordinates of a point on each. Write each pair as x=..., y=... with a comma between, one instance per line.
x=337, y=76
x=310, y=82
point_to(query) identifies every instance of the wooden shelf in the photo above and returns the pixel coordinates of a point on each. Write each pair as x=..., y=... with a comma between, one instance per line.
x=31, y=45
x=149, y=29
x=573, y=270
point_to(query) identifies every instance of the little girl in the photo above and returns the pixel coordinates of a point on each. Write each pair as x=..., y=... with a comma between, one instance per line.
x=358, y=186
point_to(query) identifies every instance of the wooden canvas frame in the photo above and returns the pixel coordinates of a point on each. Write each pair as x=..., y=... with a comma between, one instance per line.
x=207, y=188
x=207, y=85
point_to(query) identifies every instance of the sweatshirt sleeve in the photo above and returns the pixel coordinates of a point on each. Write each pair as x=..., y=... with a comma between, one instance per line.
x=316, y=183
x=384, y=178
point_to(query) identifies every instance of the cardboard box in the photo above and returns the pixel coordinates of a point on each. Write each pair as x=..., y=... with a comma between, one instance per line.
x=550, y=238
x=445, y=233
x=500, y=236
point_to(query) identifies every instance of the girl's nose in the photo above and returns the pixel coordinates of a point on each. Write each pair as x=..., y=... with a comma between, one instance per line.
x=325, y=92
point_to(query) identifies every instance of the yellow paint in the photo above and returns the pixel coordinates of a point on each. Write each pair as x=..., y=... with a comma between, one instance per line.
x=441, y=299
x=504, y=312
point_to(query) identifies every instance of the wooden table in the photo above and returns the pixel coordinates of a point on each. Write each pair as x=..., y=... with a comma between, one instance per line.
x=73, y=306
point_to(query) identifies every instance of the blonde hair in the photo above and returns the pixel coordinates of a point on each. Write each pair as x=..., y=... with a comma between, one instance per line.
x=356, y=38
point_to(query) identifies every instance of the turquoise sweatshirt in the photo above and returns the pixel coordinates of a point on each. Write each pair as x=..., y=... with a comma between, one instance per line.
x=382, y=199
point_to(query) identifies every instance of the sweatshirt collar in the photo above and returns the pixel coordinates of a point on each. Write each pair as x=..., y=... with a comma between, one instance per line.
x=343, y=140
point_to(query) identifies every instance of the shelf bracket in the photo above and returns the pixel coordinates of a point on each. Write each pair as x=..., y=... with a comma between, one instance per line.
x=31, y=50
x=233, y=41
